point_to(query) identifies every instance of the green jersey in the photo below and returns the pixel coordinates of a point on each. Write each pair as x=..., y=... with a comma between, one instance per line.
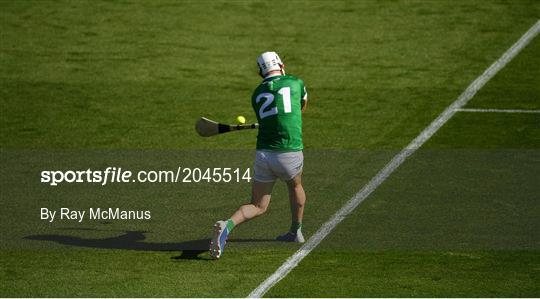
x=277, y=102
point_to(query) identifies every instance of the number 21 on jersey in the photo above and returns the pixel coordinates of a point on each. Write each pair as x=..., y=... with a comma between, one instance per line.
x=268, y=98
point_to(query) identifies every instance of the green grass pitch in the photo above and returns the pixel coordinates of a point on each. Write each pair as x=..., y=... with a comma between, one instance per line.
x=99, y=83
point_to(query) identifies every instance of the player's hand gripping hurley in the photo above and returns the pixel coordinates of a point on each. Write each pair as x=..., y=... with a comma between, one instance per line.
x=206, y=127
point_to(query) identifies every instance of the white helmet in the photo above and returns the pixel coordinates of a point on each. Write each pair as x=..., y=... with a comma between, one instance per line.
x=269, y=61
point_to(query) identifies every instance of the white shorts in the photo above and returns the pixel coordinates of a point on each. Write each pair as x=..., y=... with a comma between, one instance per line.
x=270, y=165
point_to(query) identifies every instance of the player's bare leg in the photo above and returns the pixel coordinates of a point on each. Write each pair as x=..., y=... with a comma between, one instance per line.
x=297, y=198
x=260, y=199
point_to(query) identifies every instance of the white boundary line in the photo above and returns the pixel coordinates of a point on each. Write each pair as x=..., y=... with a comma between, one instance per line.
x=383, y=174
x=497, y=110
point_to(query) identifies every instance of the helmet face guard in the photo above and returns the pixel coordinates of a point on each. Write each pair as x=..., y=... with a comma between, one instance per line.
x=268, y=62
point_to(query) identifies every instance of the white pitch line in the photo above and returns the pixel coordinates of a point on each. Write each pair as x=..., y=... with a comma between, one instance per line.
x=383, y=174
x=497, y=110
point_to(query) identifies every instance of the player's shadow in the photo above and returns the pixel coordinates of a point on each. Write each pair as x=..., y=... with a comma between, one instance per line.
x=132, y=240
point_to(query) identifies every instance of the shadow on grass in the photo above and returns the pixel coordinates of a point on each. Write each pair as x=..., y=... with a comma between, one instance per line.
x=132, y=240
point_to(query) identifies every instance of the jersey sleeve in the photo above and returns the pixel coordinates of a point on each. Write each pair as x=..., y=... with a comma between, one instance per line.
x=303, y=92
